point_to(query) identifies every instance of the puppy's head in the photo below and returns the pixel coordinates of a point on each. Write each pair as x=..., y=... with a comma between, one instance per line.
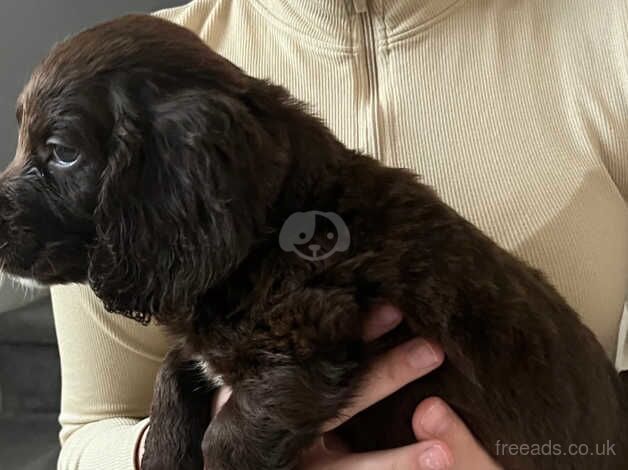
x=141, y=168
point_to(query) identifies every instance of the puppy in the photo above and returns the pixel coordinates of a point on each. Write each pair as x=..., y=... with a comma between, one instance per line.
x=183, y=190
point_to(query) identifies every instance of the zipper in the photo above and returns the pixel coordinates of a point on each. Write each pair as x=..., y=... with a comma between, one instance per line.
x=370, y=59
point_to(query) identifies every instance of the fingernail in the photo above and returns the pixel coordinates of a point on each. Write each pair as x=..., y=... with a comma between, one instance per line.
x=435, y=420
x=332, y=443
x=421, y=355
x=434, y=458
x=387, y=316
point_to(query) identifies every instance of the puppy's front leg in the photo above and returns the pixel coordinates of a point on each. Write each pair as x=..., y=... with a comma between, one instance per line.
x=180, y=414
x=270, y=419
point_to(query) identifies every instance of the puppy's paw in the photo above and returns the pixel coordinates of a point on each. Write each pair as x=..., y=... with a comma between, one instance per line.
x=221, y=453
x=164, y=462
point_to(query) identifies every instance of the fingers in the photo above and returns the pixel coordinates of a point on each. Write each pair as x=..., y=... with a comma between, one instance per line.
x=390, y=372
x=433, y=419
x=427, y=455
x=380, y=321
x=220, y=397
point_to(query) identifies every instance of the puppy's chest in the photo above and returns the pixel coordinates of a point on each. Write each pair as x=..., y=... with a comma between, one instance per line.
x=268, y=325
x=229, y=354
x=229, y=365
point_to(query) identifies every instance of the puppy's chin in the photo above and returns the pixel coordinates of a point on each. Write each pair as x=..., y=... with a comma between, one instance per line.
x=34, y=277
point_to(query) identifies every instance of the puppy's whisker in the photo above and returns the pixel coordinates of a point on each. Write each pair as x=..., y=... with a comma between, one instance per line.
x=27, y=287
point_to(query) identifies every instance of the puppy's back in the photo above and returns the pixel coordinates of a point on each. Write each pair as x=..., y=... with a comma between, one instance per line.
x=522, y=370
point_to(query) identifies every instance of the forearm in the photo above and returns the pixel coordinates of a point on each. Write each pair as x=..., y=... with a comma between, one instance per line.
x=109, y=444
x=108, y=366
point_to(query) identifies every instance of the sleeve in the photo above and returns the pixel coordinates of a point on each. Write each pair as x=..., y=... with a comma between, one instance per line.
x=616, y=155
x=108, y=367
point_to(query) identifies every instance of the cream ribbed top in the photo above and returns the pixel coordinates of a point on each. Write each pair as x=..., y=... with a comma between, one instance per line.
x=515, y=110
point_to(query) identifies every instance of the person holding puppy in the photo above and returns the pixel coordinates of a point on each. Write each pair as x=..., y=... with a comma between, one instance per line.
x=515, y=114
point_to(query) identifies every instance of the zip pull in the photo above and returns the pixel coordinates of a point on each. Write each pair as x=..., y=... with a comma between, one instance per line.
x=360, y=6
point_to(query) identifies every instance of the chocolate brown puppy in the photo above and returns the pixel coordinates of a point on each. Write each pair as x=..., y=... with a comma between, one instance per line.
x=184, y=191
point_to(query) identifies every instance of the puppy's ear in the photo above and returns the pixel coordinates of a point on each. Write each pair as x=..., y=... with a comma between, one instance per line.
x=184, y=196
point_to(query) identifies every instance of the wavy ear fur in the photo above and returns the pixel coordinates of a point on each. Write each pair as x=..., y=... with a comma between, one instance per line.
x=184, y=197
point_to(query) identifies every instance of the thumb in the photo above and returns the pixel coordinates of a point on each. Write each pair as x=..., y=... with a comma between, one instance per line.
x=434, y=419
x=426, y=455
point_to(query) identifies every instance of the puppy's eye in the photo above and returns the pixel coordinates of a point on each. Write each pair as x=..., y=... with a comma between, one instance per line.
x=62, y=154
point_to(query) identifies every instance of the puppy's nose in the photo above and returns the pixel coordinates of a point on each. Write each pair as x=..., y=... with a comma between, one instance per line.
x=314, y=247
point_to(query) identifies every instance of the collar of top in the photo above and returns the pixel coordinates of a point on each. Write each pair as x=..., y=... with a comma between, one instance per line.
x=337, y=23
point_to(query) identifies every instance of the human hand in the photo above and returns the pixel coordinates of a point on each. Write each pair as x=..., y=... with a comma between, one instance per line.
x=444, y=442
x=447, y=445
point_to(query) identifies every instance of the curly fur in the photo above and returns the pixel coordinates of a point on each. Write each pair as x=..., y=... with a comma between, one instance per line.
x=189, y=168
